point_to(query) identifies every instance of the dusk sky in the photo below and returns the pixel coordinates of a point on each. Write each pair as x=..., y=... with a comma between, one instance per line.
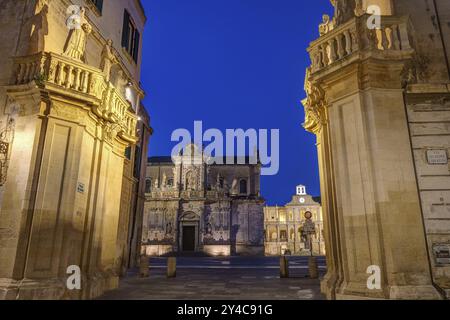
x=234, y=64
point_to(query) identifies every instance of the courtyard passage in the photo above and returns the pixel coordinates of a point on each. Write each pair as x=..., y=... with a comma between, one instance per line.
x=230, y=278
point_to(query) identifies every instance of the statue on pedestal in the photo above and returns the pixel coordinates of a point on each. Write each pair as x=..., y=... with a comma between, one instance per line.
x=164, y=180
x=326, y=26
x=76, y=42
x=39, y=26
x=343, y=11
x=108, y=59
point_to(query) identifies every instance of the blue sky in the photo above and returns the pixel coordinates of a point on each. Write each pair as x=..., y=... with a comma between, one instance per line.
x=234, y=64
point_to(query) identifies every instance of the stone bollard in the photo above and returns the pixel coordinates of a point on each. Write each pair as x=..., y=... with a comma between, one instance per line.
x=144, y=267
x=313, y=268
x=171, y=267
x=284, y=267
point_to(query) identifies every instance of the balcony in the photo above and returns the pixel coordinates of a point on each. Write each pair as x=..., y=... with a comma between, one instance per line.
x=61, y=75
x=353, y=41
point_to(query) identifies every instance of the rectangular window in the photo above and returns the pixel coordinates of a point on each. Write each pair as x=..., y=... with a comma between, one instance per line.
x=130, y=36
x=137, y=163
x=98, y=4
x=128, y=153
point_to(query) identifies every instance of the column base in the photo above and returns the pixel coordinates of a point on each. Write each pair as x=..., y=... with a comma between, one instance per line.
x=328, y=285
x=56, y=289
x=425, y=292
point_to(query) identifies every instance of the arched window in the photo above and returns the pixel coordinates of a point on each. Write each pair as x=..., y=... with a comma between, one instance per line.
x=148, y=186
x=243, y=186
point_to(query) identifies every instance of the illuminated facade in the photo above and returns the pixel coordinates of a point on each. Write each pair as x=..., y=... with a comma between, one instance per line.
x=70, y=100
x=284, y=227
x=195, y=207
x=378, y=102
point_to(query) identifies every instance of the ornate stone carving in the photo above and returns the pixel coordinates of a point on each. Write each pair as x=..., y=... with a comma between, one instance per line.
x=6, y=140
x=326, y=26
x=415, y=70
x=343, y=11
x=314, y=106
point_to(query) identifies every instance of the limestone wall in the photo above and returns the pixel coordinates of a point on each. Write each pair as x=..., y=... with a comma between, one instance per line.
x=427, y=36
x=428, y=115
x=61, y=202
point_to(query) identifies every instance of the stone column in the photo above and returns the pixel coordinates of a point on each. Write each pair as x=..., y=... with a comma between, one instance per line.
x=370, y=199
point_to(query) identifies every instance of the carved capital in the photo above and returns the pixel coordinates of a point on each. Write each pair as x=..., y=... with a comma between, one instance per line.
x=314, y=105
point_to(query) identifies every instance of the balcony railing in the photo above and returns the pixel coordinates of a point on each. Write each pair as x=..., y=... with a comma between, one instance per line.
x=354, y=38
x=56, y=73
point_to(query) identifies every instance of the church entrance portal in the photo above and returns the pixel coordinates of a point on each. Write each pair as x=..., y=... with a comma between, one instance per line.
x=188, y=243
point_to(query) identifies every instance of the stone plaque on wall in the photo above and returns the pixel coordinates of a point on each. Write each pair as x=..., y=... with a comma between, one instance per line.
x=437, y=156
x=441, y=253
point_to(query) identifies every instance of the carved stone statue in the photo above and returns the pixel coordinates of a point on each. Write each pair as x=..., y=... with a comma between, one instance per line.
x=164, y=180
x=169, y=229
x=108, y=59
x=343, y=11
x=209, y=224
x=234, y=186
x=359, y=9
x=326, y=26
x=191, y=181
x=76, y=42
x=39, y=28
x=218, y=184
x=156, y=183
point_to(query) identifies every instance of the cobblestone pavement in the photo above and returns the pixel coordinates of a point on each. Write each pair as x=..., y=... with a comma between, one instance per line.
x=221, y=279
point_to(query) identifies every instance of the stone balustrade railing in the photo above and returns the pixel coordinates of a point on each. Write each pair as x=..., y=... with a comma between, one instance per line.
x=61, y=71
x=211, y=194
x=354, y=37
x=192, y=194
x=214, y=194
x=160, y=194
x=57, y=72
x=393, y=34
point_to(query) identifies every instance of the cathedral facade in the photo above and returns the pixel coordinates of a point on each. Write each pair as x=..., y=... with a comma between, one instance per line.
x=195, y=207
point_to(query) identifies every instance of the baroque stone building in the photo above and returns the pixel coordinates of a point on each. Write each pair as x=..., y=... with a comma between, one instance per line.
x=285, y=229
x=71, y=145
x=193, y=206
x=378, y=100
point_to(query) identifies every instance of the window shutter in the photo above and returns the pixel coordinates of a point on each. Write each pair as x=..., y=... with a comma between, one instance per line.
x=126, y=29
x=136, y=46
